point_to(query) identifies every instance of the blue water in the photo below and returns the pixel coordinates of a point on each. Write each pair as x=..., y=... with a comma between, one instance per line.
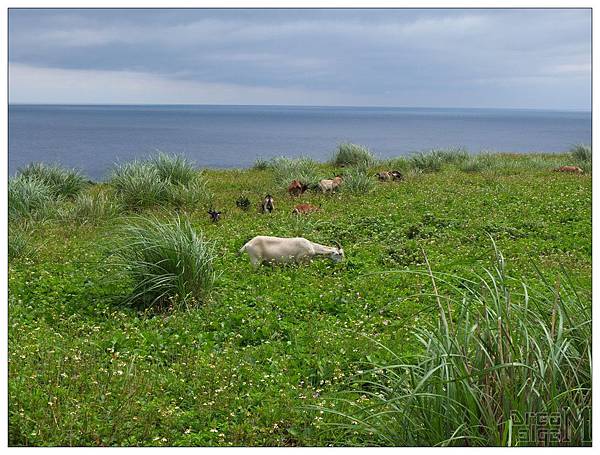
x=93, y=138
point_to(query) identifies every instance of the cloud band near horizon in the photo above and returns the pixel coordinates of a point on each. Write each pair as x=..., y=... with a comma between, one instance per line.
x=442, y=58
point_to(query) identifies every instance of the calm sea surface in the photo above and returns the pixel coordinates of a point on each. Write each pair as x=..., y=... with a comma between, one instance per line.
x=93, y=138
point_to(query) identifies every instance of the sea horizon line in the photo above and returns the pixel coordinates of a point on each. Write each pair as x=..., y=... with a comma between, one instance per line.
x=474, y=108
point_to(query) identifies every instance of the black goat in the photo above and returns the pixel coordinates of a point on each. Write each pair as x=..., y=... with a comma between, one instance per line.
x=267, y=204
x=214, y=215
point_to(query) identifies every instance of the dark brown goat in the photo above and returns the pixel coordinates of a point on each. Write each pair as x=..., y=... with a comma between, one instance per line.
x=296, y=188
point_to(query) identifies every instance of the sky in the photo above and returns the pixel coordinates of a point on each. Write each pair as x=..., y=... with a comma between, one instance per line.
x=503, y=58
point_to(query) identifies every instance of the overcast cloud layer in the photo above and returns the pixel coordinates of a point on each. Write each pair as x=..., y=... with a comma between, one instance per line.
x=436, y=58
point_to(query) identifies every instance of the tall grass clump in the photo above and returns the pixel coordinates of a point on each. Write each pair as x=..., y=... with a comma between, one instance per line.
x=190, y=194
x=93, y=208
x=426, y=162
x=400, y=163
x=139, y=185
x=348, y=154
x=61, y=181
x=498, y=351
x=167, y=261
x=18, y=242
x=173, y=169
x=480, y=163
x=433, y=160
x=261, y=164
x=358, y=181
x=28, y=197
x=164, y=179
x=581, y=153
x=452, y=155
x=287, y=169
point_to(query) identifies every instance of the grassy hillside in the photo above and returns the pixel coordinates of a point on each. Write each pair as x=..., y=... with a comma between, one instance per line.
x=244, y=364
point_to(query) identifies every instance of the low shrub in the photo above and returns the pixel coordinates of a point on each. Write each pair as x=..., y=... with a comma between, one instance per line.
x=499, y=351
x=61, y=181
x=167, y=261
x=352, y=154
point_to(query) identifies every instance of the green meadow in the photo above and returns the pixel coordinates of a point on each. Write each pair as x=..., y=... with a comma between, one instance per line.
x=464, y=298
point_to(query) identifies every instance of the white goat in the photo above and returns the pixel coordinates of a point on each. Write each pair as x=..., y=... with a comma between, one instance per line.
x=266, y=249
x=330, y=184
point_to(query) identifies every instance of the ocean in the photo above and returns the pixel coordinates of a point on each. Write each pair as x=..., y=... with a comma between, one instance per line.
x=94, y=138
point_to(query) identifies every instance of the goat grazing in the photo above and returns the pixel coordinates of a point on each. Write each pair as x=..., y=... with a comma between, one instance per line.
x=243, y=202
x=330, y=184
x=297, y=188
x=396, y=175
x=386, y=176
x=267, y=204
x=214, y=215
x=277, y=250
x=572, y=169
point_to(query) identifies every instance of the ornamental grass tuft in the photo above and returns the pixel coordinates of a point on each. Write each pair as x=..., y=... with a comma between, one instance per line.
x=168, y=262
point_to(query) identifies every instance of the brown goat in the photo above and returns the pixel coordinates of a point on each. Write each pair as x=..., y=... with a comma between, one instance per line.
x=296, y=188
x=572, y=169
x=304, y=208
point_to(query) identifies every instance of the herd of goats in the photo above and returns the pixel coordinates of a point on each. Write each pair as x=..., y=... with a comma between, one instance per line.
x=264, y=249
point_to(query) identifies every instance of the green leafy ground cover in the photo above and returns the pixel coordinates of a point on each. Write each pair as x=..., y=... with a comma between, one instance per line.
x=245, y=366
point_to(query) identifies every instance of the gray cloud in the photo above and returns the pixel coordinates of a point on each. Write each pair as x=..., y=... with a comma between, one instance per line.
x=477, y=57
